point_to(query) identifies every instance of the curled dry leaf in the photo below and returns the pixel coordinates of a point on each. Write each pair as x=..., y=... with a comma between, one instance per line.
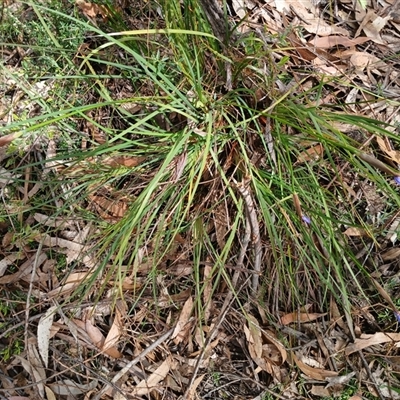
x=315, y=373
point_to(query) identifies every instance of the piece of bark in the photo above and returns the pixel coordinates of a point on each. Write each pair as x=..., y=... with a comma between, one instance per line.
x=218, y=21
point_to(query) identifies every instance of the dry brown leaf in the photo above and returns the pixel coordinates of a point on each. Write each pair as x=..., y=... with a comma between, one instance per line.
x=384, y=146
x=374, y=26
x=253, y=336
x=95, y=334
x=24, y=270
x=279, y=354
x=7, y=139
x=92, y=10
x=191, y=393
x=305, y=52
x=355, y=231
x=328, y=42
x=117, y=327
x=300, y=317
x=109, y=210
x=367, y=340
x=43, y=334
x=311, y=154
x=146, y=386
x=49, y=393
x=361, y=60
x=309, y=16
x=384, y=294
x=71, y=282
x=391, y=254
x=315, y=373
x=182, y=327
x=320, y=391
x=98, y=340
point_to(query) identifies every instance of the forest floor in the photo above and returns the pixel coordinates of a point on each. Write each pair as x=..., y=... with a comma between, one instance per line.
x=200, y=200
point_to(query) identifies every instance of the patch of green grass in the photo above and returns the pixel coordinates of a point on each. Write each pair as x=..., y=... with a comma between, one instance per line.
x=10, y=305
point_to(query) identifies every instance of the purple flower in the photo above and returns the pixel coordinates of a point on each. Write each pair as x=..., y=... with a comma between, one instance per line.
x=397, y=315
x=306, y=219
x=397, y=179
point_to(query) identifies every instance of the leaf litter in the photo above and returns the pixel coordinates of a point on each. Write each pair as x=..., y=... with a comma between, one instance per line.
x=66, y=340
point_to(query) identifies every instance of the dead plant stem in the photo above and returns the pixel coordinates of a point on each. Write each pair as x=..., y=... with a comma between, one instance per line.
x=251, y=215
